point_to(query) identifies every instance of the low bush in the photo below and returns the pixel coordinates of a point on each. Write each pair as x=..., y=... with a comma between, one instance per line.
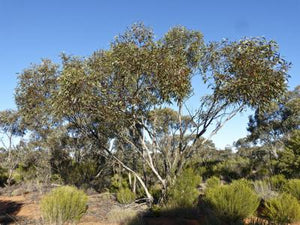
x=232, y=203
x=243, y=181
x=117, y=182
x=81, y=174
x=63, y=204
x=17, y=175
x=234, y=168
x=56, y=178
x=125, y=196
x=277, y=182
x=156, y=192
x=213, y=182
x=3, y=176
x=284, y=209
x=293, y=187
x=184, y=192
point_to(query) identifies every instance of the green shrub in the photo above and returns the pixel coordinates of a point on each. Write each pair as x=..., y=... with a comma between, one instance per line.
x=288, y=159
x=80, y=174
x=56, y=178
x=233, y=169
x=117, y=182
x=3, y=176
x=213, y=182
x=232, y=203
x=184, y=192
x=17, y=175
x=125, y=196
x=64, y=204
x=277, y=182
x=156, y=191
x=284, y=209
x=293, y=187
x=244, y=182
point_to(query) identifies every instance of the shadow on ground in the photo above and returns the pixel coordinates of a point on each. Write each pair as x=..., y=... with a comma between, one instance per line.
x=178, y=216
x=187, y=216
x=8, y=211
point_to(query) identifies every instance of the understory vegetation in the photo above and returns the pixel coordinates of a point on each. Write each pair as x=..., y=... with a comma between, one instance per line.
x=119, y=121
x=64, y=204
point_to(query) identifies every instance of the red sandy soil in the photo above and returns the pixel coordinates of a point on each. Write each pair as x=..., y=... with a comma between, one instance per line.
x=24, y=210
x=28, y=212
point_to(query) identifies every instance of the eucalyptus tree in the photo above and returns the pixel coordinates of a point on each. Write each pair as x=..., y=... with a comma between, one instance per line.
x=273, y=126
x=11, y=129
x=289, y=159
x=51, y=137
x=118, y=96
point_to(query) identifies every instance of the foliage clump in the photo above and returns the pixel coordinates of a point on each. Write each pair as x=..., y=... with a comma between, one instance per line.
x=232, y=203
x=117, y=182
x=125, y=196
x=3, y=176
x=156, y=192
x=293, y=187
x=284, y=209
x=64, y=204
x=184, y=193
x=213, y=182
x=235, y=168
x=277, y=182
x=289, y=160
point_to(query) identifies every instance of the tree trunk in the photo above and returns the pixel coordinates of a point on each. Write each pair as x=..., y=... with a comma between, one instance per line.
x=134, y=185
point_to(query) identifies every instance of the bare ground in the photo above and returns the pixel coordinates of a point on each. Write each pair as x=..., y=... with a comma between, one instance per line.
x=22, y=208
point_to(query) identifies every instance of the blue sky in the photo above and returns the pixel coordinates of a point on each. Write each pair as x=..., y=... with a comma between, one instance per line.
x=34, y=29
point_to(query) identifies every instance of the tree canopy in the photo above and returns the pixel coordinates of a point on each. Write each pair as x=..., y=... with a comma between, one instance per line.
x=115, y=100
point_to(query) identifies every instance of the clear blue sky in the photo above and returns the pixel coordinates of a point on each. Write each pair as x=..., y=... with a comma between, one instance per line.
x=35, y=29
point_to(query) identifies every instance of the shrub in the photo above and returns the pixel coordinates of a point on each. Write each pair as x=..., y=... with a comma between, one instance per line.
x=213, y=182
x=156, y=191
x=3, y=176
x=63, y=204
x=117, y=182
x=284, y=209
x=56, y=178
x=81, y=174
x=184, y=192
x=289, y=158
x=17, y=177
x=233, y=169
x=125, y=196
x=293, y=187
x=277, y=182
x=244, y=182
x=232, y=203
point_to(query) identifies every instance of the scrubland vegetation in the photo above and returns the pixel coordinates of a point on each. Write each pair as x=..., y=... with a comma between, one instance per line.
x=118, y=121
